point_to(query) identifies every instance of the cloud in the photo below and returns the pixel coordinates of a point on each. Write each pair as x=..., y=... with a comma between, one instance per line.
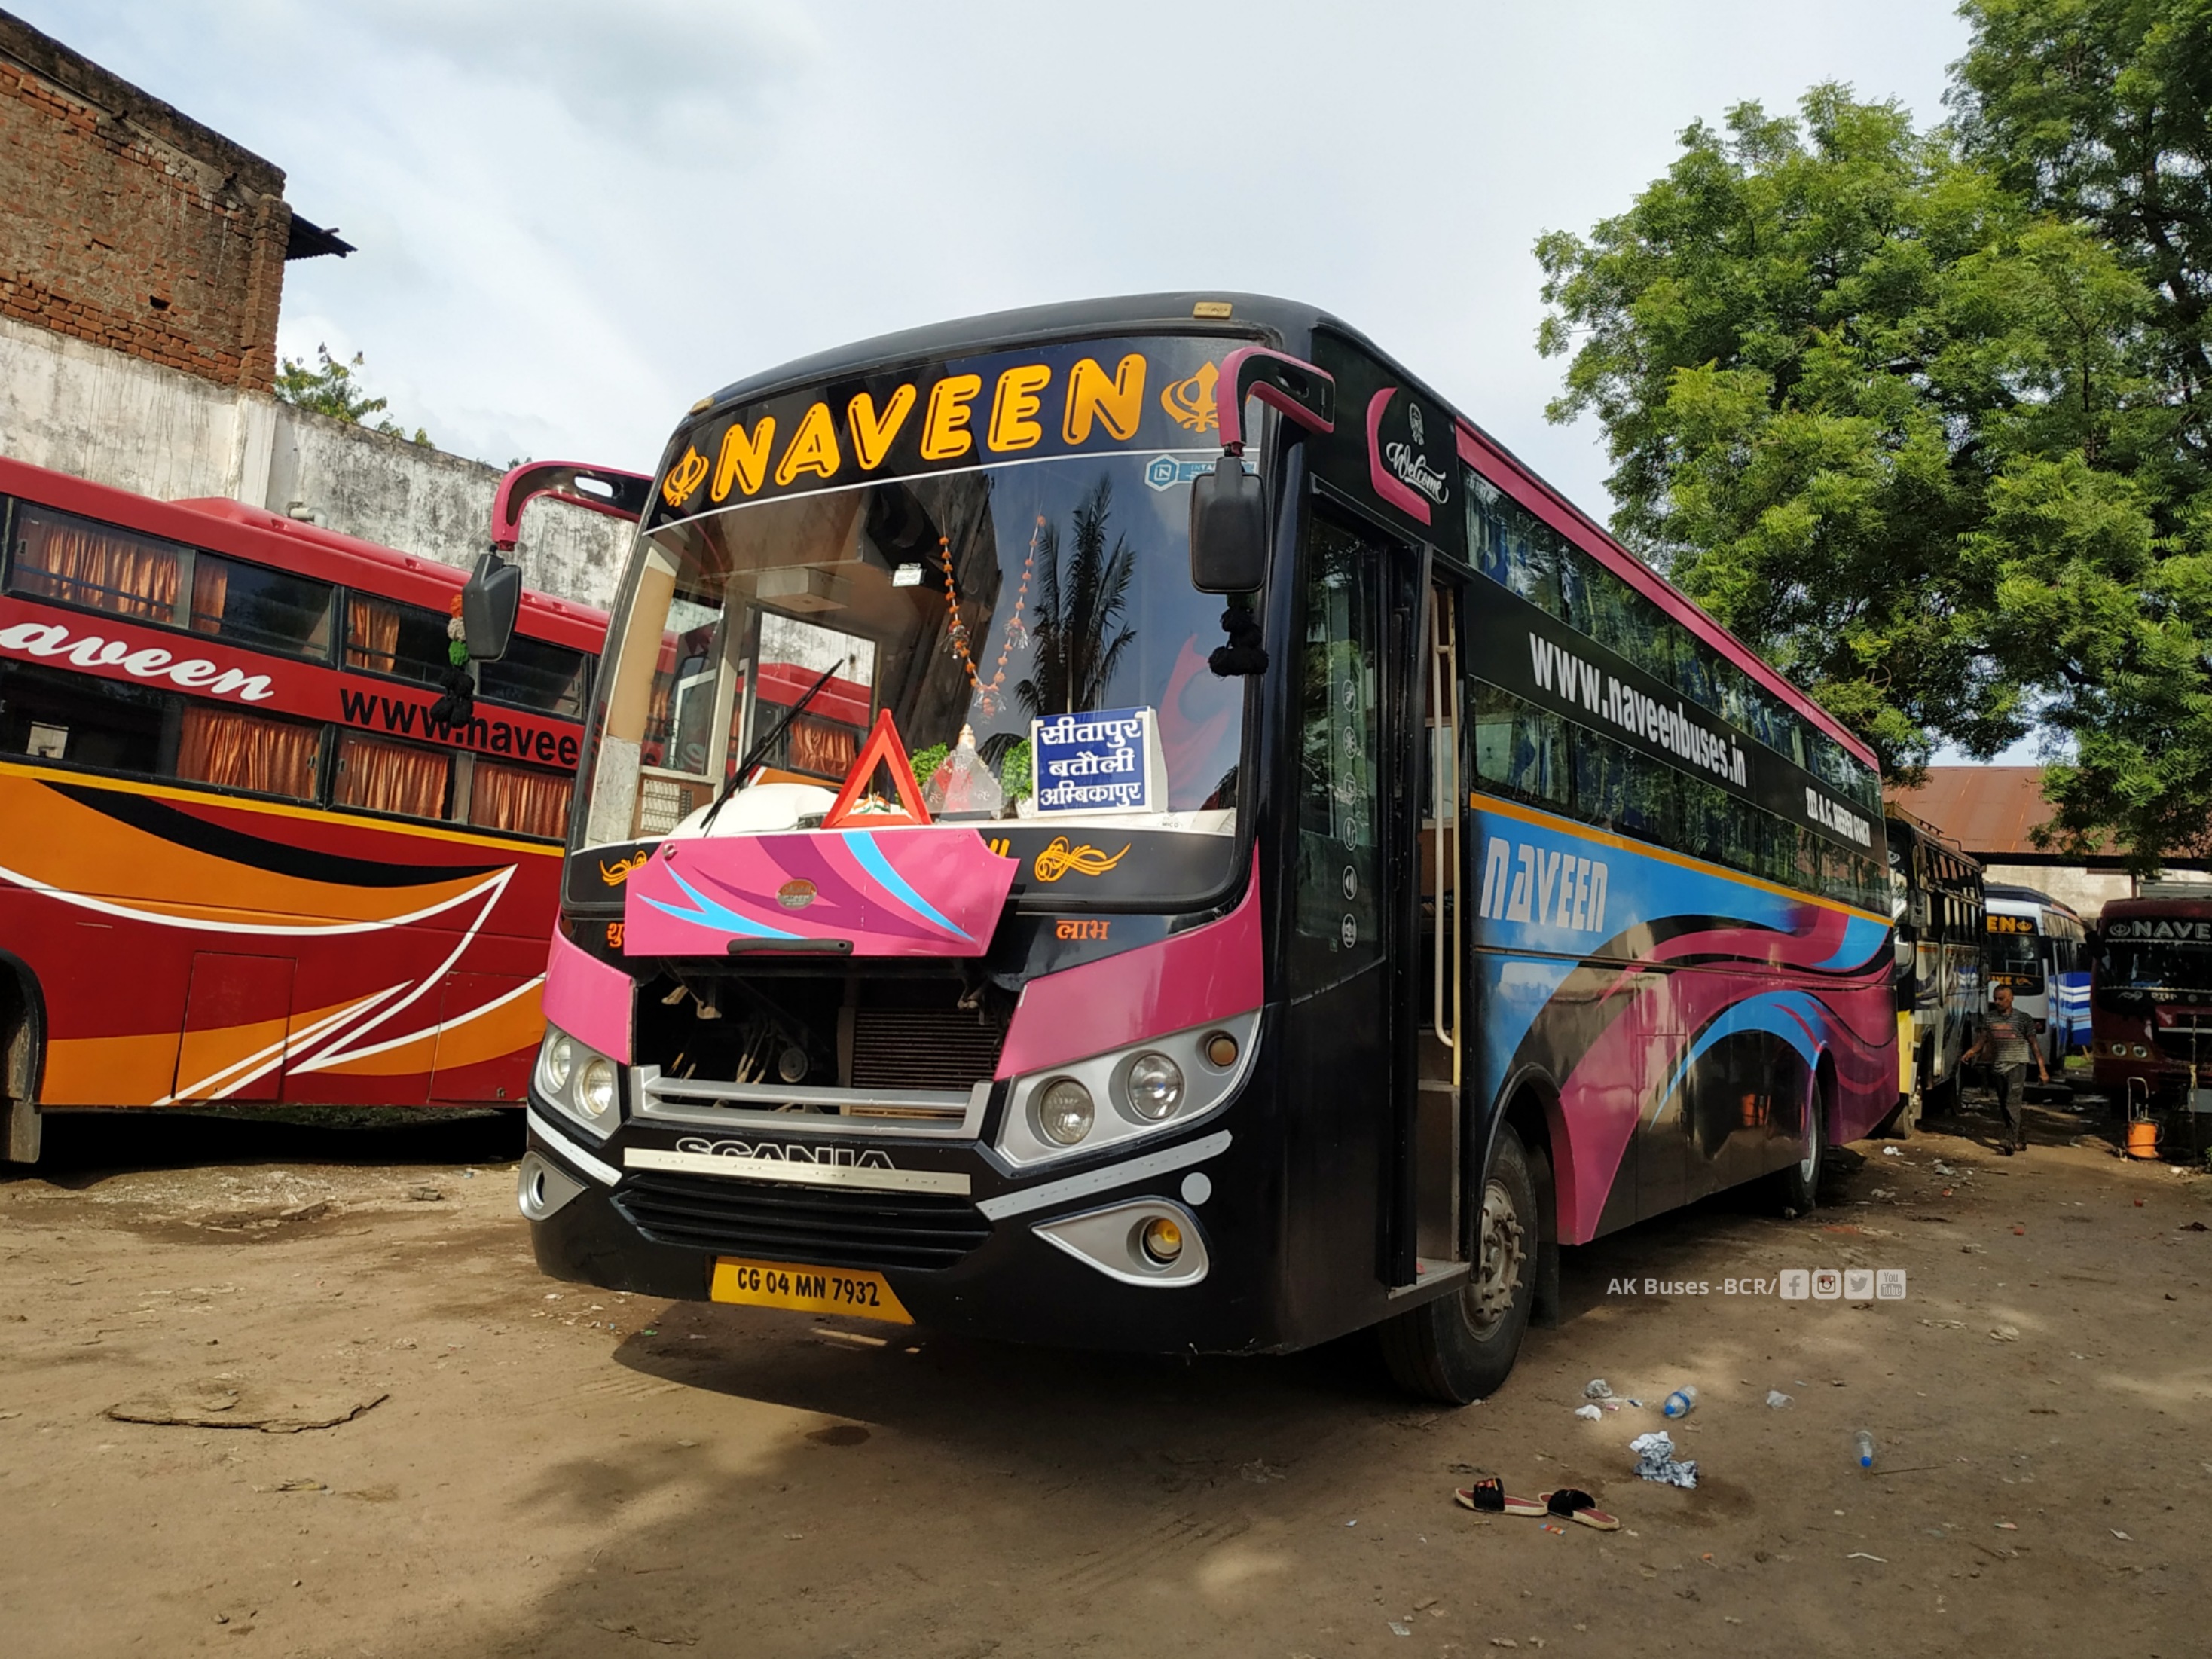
x=575, y=219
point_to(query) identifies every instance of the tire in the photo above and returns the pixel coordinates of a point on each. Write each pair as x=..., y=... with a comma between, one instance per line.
x=1460, y=1347
x=1798, y=1188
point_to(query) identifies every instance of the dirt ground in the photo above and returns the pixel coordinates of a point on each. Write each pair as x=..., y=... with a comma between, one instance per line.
x=545, y=1471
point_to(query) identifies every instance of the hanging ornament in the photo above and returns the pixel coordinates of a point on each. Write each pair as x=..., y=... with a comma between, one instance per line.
x=987, y=697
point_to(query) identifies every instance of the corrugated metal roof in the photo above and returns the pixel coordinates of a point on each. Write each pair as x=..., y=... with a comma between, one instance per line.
x=1990, y=811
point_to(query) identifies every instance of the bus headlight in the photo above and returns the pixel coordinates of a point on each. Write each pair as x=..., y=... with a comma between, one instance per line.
x=1064, y=1112
x=560, y=1062
x=575, y=1080
x=1142, y=1090
x=595, y=1088
x=1154, y=1086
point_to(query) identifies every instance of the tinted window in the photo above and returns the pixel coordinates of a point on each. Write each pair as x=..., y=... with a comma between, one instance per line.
x=387, y=637
x=1339, y=751
x=1515, y=549
x=268, y=610
x=115, y=726
x=536, y=675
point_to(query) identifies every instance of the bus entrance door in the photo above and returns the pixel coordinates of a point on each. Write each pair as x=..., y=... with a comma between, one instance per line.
x=1437, y=1144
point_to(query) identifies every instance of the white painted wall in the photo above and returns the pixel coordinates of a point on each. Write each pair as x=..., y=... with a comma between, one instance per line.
x=86, y=409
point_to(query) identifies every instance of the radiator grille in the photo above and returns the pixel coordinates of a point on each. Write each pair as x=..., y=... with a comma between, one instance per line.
x=812, y=1226
x=922, y=1048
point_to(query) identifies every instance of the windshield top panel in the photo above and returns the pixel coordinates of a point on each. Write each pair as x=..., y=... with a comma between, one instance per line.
x=852, y=566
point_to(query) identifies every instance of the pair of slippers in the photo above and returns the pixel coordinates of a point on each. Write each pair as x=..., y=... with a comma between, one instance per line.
x=1490, y=1496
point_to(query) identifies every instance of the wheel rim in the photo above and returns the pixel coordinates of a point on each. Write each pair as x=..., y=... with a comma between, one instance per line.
x=1500, y=1251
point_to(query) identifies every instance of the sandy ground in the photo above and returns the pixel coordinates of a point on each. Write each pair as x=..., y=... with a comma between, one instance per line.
x=557, y=1472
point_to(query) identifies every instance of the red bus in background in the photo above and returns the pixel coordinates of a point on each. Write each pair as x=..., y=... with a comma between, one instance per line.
x=239, y=860
x=2150, y=999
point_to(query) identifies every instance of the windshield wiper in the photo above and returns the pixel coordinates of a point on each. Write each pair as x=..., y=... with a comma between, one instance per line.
x=730, y=785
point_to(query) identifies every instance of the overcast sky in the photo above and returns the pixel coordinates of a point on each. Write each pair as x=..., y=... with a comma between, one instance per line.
x=575, y=219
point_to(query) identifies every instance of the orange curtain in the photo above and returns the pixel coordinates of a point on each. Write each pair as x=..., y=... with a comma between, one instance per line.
x=246, y=751
x=520, y=798
x=391, y=777
x=94, y=565
x=819, y=747
x=210, y=589
x=372, y=634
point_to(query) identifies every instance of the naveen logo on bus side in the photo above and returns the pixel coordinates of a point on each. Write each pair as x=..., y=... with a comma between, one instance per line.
x=151, y=662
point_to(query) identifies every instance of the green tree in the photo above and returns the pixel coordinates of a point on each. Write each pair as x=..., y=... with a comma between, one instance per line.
x=1814, y=344
x=2099, y=112
x=1079, y=613
x=334, y=388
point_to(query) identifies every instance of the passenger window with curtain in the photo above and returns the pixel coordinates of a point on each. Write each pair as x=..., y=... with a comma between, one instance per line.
x=1339, y=751
x=522, y=798
x=238, y=750
x=264, y=610
x=377, y=776
x=387, y=636
x=102, y=567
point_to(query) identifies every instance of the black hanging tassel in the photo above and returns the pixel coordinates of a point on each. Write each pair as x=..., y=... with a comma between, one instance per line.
x=1243, y=655
x=459, y=702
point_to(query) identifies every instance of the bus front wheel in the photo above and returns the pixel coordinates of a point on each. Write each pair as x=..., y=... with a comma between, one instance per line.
x=1460, y=1347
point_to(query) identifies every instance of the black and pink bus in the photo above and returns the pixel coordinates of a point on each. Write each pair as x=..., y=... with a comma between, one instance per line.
x=1333, y=874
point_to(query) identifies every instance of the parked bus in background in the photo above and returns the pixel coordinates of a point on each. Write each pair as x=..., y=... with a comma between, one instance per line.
x=238, y=859
x=1937, y=898
x=1237, y=978
x=2150, y=999
x=2040, y=949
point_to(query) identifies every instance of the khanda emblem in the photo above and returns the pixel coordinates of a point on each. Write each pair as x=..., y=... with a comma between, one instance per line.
x=1191, y=401
x=683, y=477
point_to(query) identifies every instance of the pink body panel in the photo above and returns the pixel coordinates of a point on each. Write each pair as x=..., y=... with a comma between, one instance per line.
x=589, y=1000
x=1209, y=972
x=916, y=892
x=1505, y=472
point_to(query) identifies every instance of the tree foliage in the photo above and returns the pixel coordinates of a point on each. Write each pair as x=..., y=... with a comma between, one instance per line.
x=1919, y=413
x=335, y=389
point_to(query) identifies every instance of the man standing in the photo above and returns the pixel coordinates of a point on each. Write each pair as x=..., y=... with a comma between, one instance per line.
x=2010, y=1039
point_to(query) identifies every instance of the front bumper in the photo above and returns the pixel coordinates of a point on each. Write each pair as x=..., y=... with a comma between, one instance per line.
x=989, y=1266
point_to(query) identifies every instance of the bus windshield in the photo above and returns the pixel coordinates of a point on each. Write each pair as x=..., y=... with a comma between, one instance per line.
x=967, y=605
x=2142, y=964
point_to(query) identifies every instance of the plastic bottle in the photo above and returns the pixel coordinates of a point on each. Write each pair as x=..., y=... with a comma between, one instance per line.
x=1864, y=1442
x=1681, y=1402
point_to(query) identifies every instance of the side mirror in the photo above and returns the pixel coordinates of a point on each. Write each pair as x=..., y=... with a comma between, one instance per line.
x=1228, y=530
x=492, y=598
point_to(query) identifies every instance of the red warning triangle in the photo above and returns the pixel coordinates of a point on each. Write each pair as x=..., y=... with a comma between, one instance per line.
x=882, y=748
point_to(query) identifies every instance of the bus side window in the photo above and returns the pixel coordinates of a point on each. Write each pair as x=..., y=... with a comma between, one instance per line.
x=1339, y=750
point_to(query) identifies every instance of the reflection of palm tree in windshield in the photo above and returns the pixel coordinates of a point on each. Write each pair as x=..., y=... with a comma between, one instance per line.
x=1078, y=612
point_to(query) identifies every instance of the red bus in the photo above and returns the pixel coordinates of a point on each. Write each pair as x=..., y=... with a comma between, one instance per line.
x=238, y=859
x=2150, y=999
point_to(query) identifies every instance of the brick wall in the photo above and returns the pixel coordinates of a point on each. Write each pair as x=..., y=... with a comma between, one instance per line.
x=126, y=224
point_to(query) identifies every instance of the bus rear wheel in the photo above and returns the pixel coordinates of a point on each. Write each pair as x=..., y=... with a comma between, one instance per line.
x=1461, y=1347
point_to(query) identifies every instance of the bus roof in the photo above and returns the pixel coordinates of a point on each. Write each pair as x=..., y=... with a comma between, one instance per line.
x=223, y=525
x=1283, y=321
x=2195, y=909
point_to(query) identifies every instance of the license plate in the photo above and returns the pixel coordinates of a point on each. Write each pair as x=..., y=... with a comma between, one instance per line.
x=847, y=1290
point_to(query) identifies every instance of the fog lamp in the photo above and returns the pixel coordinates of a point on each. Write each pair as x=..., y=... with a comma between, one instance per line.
x=1221, y=1050
x=595, y=1088
x=1065, y=1112
x=1162, y=1239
